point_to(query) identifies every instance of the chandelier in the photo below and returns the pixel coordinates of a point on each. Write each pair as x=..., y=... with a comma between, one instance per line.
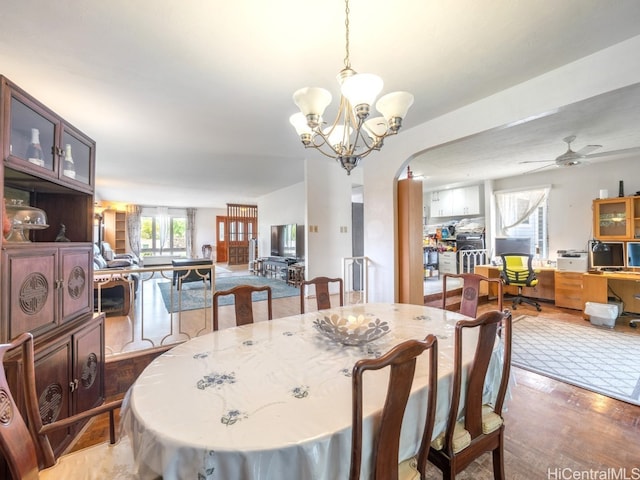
x=352, y=135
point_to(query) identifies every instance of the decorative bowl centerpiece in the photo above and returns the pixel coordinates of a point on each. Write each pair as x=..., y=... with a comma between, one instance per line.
x=23, y=217
x=352, y=330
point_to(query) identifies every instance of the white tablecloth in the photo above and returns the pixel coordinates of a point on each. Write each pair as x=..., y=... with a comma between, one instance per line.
x=272, y=400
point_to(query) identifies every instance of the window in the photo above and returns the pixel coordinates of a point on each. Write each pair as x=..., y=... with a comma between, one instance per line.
x=163, y=235
x=523, y=213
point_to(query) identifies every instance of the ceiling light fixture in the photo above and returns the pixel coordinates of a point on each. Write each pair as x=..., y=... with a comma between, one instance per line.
x=351, y=136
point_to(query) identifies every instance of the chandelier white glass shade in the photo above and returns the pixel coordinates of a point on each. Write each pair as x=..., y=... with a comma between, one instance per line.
x=352, y=135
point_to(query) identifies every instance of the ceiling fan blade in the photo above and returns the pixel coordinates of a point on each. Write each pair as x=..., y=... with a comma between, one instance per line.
x=536, y=161
x=550, y=164
x=612, y=153
x=588, y=149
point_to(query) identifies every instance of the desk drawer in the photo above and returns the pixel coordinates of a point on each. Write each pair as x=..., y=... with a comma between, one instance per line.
x=568, y=290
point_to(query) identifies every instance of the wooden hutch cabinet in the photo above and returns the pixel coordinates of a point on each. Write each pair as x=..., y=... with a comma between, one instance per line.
x=46, y=286
x=616, y=218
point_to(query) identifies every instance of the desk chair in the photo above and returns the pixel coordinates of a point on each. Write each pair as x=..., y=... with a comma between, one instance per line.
x=243, y=302
x=402, y=362
x=27, y=449
x=470, y=291
x=476, y=427
x=323, y=299
x=517, y=270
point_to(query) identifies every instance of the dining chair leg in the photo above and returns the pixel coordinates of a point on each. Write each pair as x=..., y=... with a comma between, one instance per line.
x=498, y=459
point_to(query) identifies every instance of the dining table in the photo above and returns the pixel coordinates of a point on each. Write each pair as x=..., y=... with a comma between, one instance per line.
x=273, y=399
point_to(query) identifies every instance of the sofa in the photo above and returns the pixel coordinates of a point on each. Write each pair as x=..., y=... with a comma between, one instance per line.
x=112, y=293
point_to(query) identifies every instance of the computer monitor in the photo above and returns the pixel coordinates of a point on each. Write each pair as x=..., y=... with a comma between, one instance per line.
x=513, y=245
x=607, y=255
x=633, y=254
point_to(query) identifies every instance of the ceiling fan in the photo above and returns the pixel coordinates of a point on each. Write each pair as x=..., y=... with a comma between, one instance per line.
x=571, y=157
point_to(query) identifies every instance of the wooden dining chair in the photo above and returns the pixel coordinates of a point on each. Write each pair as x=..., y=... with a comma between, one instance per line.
x=471, y=291
x=243, y=300
x=27, y=449
x=402, y=362
x=321, y=284
x=482, y=428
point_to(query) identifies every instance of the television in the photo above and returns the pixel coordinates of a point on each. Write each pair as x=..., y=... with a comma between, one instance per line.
x=633, y=254
x=287, y=241
x=606, y=255
x=513, y=245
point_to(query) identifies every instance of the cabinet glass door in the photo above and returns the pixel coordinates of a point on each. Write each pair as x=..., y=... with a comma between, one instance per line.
x=75, y=162
x=613, y=219
x=32, y=135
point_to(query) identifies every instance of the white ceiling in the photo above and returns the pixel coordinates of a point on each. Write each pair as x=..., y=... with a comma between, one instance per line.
x=189, y=101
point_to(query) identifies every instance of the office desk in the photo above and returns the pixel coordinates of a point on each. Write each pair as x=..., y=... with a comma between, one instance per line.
x=544, y=290
x=272, y=400
x=596, y=288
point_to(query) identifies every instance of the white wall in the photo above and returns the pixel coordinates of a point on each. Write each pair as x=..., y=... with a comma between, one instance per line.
x=601, y=72
x=206, y=227
x=328, y=202
x=281, y=207
x=572, y=192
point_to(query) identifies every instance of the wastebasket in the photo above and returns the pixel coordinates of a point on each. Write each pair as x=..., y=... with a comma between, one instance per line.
x=602, y=314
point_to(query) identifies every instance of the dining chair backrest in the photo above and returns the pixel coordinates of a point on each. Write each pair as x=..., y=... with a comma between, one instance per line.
x=482, y=428
x=243, y=302
x=401, y=360
x=323, y=297
x=23, y=442
x=470, y=291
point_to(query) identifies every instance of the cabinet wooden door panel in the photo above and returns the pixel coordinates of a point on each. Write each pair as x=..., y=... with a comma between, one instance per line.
x=88, y=382
x=52, y=371
x=29, y=299
x=76, y=281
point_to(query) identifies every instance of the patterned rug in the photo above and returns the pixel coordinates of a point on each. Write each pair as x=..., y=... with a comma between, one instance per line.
x=595, y=358
x=193, y=297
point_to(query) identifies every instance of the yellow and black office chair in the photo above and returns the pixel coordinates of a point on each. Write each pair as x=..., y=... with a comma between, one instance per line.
x=517, y=270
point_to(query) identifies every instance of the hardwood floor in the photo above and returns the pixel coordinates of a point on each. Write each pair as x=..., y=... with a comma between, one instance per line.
x=553, y=430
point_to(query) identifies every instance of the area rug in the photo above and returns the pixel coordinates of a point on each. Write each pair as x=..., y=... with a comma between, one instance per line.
x=595, y=358
x=193, y=294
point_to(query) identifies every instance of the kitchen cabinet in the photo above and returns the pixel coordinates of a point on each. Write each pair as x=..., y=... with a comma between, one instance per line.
x=447, y=262
x=465, y=201
x=441, y=203
x=456, y=202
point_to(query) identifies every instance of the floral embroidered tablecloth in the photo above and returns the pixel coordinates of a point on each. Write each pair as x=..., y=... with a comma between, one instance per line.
x=272, y=400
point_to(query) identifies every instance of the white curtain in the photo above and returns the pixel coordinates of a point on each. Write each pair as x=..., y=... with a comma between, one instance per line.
x=514, y=207
x=190, y=234
x=134, y=228
x=164, y=223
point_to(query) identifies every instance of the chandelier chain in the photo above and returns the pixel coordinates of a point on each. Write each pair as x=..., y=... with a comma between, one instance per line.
x=347, y=60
